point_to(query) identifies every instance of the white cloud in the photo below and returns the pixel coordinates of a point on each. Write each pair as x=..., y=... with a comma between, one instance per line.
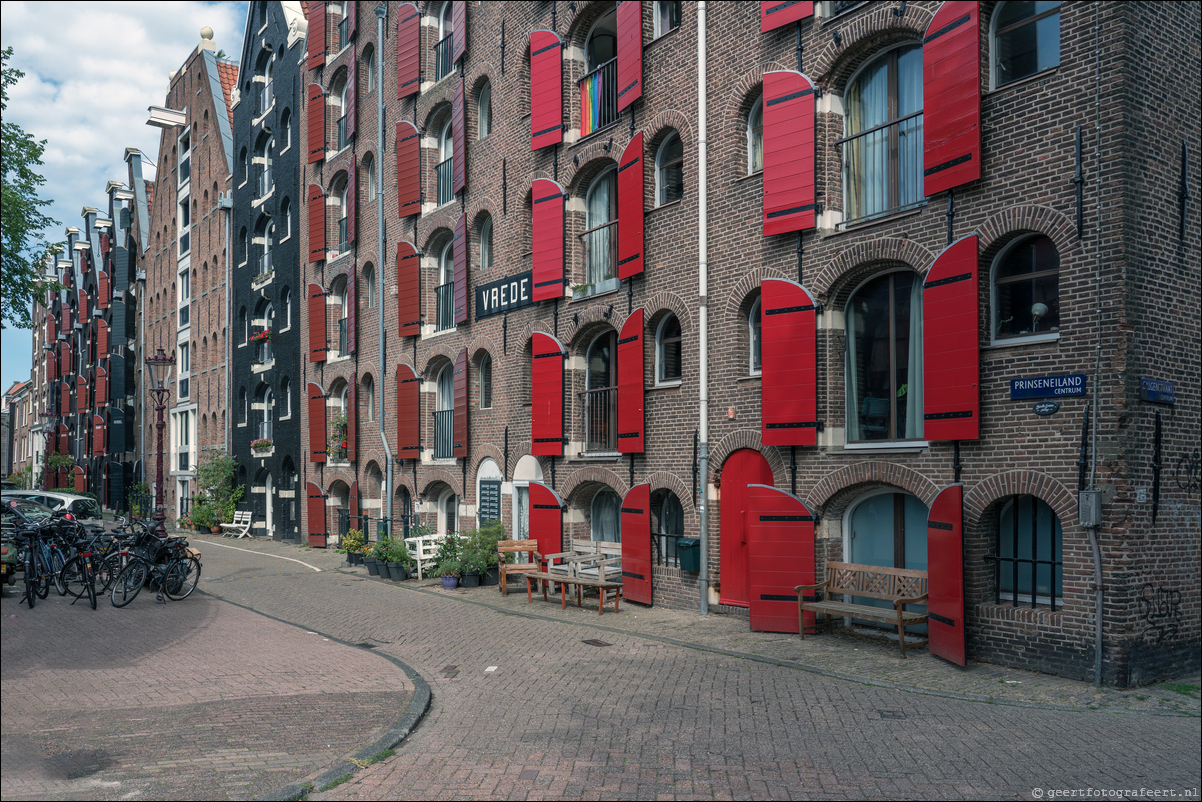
x=91, y=70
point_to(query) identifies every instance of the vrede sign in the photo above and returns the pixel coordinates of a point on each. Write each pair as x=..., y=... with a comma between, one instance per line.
x=504, y=295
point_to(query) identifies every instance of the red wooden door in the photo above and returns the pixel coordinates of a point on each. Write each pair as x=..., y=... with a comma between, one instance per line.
x=548, y=240
x=546, y=408
x=408, y=283
x=317, y=125
x=742, y=468
x=408, y=387
x=636, y=544
x=780, y=557
x=788, y=185
x=459, y=138
x=317, y=34
x=945, y=567
x=629, y=23
x=951, y=88
x=459, y=420
x=315, y=513
x=459, y=249
x=546, y=518
x=778, y=13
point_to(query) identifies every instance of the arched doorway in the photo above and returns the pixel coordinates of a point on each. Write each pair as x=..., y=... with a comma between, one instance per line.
x=886, y=527
x=742, y=468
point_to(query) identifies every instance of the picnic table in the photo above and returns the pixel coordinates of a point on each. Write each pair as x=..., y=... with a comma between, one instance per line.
x=581, y=582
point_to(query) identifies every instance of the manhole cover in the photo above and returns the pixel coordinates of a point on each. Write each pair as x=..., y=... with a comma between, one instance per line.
x=891, y=714
x=595, y=642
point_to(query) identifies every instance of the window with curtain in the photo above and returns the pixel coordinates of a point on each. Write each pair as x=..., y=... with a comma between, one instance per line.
x=667, y=350
x=755, y=137
x=369, y=391
x=755, y=365
x=605, y=517
x=600, y=238
x=667, y=16
x=286, y=302
x=669, y=170
x=600, y=395
x=369, y=67
x=884, y=359
x=486, y=244
x=1026, y=39
x=446, y=160
x=369, y=284
x=882, y=147
x=1026, y=289
x=484, y=111
x=369, y=176
x=265, y=422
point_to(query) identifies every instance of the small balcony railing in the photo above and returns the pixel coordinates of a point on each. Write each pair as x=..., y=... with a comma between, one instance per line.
x=343, y=245
x=882, y=168
x=342, y=132
x=600, y=419
x=265, y=182
x=443, y=66
x=599, y=98
x=265, y=428
x=183, y=387
x=443, y=174
x=185, y=315
x=265, y=264
x=185, y=242
x=600, y=246
x=444, y=307
x=342, y=342
x=265, y=354
x=444, y=434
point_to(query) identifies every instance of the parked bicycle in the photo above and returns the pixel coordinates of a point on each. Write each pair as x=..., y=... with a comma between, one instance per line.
x=175, y=578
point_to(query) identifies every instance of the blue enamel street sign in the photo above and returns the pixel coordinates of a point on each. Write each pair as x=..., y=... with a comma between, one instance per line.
x=1048, y=386
x=1157, y=391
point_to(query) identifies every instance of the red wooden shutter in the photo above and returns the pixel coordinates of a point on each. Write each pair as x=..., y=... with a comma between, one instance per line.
x=352, y=418
x=102, y=338
x=777, y=13
x=780, y=556
x=352, y=312
x=459, y=139
x=630, y=209
x=636, y=544
x=317, y=324
x=317, y=224
x=408, y=395
x=352, y=19
x=788, y=388
x=408, y=283
x=945, y=567
x=64, y=445
x=459, y=432
x=546, y=518
x=352, y=201
x=51, y=365
x=408, y=50
x=66, y=362
x=951, y=90
x=104, y=293
x=951, y=356
x=99, y=439
x=317, y=123
x=408, y=170
x=85, y=311
x=546, y=408
x=352, y=84
x=102, y=387
x=315, y=513
x=458, y=29
x=317, y=34
x=459, y=253
x=353, y=507
x=546, y=89
x=630, y=52
x=64, y=408
x=61, y=480
x=630, y=385
x=81, y=394
x=105, y=243
x=788, y=184
x=81, y=480
x=317, y=423
x=51, y=328
x=548, y=239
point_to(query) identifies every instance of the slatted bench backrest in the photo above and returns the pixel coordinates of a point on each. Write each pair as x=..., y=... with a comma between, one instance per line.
x=875, y=582
x=518, y=547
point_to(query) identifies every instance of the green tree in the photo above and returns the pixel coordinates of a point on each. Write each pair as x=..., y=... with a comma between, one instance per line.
x=22, y=223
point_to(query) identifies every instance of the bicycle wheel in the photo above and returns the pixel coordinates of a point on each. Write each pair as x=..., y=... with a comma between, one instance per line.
x=129, y=582
x=91, y=585
x=43, y=584
x=73, y=578
x=57, y=562
x=106, y=571
x=181, y=578
x=31, y=579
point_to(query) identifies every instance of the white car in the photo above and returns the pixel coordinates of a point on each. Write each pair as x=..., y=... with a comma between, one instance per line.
x=85, y=510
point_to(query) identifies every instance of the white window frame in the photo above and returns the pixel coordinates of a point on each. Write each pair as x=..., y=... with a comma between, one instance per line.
x=994, y=63
x=486, y=253
x=485, y=362
x=756, y=113
x=1045, y=336
x=369, y=389
x=659, y=168
x=656, y=17
x=755, y=341
x=484, y=111
x=184, y=149
x=660, y=381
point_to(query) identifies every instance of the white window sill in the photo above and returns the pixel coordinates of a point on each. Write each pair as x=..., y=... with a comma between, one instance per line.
x=668, y=385
x=888, y=445
x=750, y=377
x=1011, y=342
x=606, y=455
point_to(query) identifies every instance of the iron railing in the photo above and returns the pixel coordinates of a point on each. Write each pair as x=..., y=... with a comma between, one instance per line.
x=342, y=132
x=265, y=98
x=444, y=434
x=600, y=419
x=1008, y=563
x=381, y=529
x=600, y=259
x=443, y=66
x=442, y=173
x=265, y=427
x=664, y=547
x=265, y=263
x=342, y=339
x=599, y=98
x=343, y=245
x=444, y=307
x=882, y=168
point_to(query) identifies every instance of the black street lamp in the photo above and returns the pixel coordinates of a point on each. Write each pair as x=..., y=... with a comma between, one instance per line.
x=159, y=367
x=48, y=434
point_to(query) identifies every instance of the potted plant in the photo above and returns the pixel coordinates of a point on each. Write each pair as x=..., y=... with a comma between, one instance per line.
x=450, y=570
x=215, y=481
x=203, y=516
x=354, y=542
x=472, y=567
x=398, y=560
x=374, y=558
x=184, y=521
x=338, y=437
x=261, y=444
x=490, y=534
x=448, y=553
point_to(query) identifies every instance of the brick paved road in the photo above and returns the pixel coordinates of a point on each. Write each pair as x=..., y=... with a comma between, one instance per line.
x=558, y=718
x=195, y=699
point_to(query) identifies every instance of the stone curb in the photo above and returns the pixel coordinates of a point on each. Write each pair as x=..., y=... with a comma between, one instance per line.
x=967, y=697
x=396, y=735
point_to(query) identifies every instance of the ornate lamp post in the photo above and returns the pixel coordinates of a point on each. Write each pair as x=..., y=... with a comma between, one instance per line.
x=159, y=366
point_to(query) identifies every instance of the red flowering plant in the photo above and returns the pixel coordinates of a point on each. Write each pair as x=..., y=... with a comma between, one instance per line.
x=261, y=336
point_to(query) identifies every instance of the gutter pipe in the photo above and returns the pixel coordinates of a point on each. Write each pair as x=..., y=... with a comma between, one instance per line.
x=381, y=14
x=702, y=304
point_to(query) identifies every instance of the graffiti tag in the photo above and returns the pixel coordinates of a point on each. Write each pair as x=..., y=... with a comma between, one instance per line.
x=1161, y=609
x=1186, y=474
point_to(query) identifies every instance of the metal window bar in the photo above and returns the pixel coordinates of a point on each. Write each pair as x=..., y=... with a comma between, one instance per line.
x=442, y=174
x=600, y=417
x=444, y=307
x=1013, y=562
x=185, y=505
x=443, y=66
x=444, y=434
x=600, y=255
x=664, y=546
x=343, y=245
x=183, y=460
x=265, y=428
x=882, y=168
x=342, y=132
x=599, y=98
x=342, y=343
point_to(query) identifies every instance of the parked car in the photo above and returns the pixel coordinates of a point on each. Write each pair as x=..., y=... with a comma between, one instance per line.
x=85, y=509
x=14, y=512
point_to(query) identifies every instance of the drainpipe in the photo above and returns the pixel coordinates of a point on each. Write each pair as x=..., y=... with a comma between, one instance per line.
x=226, y=203
x=1093, y=464
x=381, y=14
x=703, y=311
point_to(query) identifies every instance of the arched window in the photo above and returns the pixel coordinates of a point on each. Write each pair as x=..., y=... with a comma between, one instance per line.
x=884, y=358
x=448, y=509
x=286, y=129
x=340, y=92
x=369, y=390
x=443, y=65
x=286, y=303
x=245, y=165
x=268, y=416
x=1030, y=543
x=486, y=243
x=882, y=151
x=340, y=294
x=369, y=67
x=446, y=157
x=604, y=518
x=1026, y=289
x=369, y=176
x=601, y=235
x=667, y=16
x=486, y=382
x=285, y=398
x=264, y=343
x=444, y=293
x=266, y=91
x=755, y=137
x=245, y=407
x=598, y=88
x=343, y=210
x=245, y=325
x=285, y=219
x=369, y=283
x=344, y=37
x=667, y=350
x=444, y=412
x=668, y=517
x=669, y=170
x=266, y=233
x=755, y=365
x=484, y=111
x=600, y=396
x=1024, y=40
x=244, y=238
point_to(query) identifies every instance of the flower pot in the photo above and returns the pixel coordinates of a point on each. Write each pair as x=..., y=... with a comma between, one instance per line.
x=450, y=582
x=216, y=530
x=373, y=567
x=471, y=579
x=394, y=572
x=491, y=576
x=354, y=558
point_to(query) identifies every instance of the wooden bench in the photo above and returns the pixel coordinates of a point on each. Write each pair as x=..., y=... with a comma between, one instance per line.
x=515, y=547
x=581, y=582
x=594, y=559
x=901, y=586
x=240, y=526
x=423, y=551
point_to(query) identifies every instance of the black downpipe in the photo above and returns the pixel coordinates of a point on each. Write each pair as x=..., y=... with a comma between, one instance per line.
x=1156, y=466
x=505, y=470
x=793, y=469
x=631, y=472
x=504, y=183
x=951, y=213
x=630, y=295
x=694, y=467
x=505, y=334
x=502, y=46
x=799, y=45
x=800, y=277
x=1079, y=182
x=1083, y=460
x=1183, y=193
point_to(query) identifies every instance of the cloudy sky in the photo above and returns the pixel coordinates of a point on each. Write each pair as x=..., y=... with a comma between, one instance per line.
x=91, y=70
